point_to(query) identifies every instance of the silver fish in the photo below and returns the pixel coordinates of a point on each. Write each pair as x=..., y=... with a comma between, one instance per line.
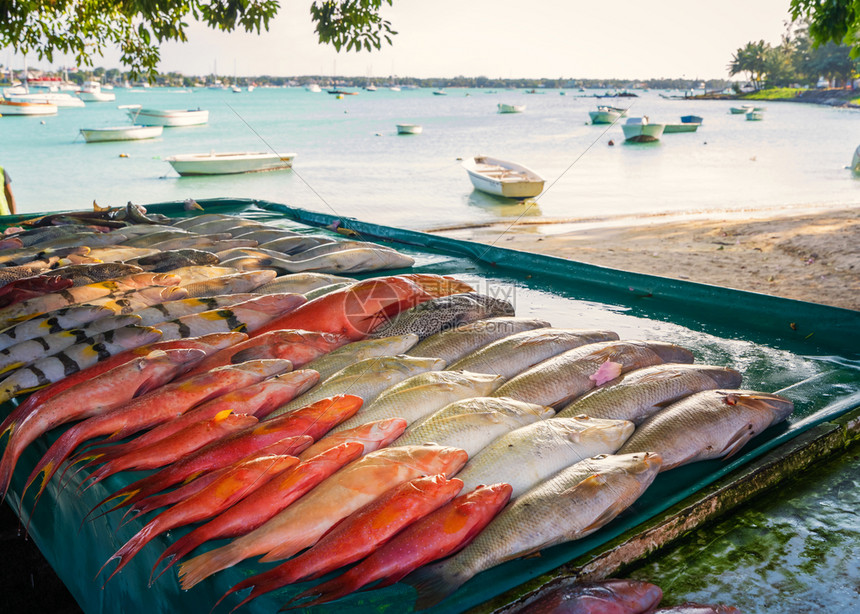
x=456, y=343
x=164, y=261
x=473, y=424
x=571, y=374
x=295, y=244
x=367, y=378
x=239, y=282
x=417, y=397
x=444, y=313
x=194, y=241
x=359, y=260
x=187, y=223
x=707, y=425
x=265, y=236
x=356, y=351
x=120, y=253
x=643, y=392
x=336, y=246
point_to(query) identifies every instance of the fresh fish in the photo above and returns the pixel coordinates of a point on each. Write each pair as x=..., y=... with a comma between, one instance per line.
x=233, y=226
x=643, y=392
x=152, y=238
x=530, y=454
x=372, y=435
x=18, y=257
x=437, y=535
x=52, y=322
x=295, y=244
x=301, y=283
x=120, y=253
x=264, y=235
x=358, y=260
x=473, y=424
x=190, y=274
x=190, y=240
x=359, y=534
x=164, y=261
x=102, y=393
x=573, y=373
x=512, y=355
x=27, y=352
x=367, y=378
x=298, y=346
x=707, y=425
x=31, y=287
x=248, y=281
x=150, y=410
x=246, y=264
x=586, y=495
x=456, y=343
x=357, y=351
x=251, y=252
x=604, y=597
x=698, y=608
x=187, y=223
x=357, y=309
x=40, y=235
x=131, y=302
x=226, y=244
x=83, y=274
x=75, y=358
x=448, y=312
x=215, y=498
x=305, y=521
x=242, y=317
x=172, y=310
x=270, y=499
x=318, y=292
x=336, y=246
x=419, y=396
x=11, y=273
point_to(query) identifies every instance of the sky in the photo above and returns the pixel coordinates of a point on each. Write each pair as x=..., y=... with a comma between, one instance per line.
x=492, y=38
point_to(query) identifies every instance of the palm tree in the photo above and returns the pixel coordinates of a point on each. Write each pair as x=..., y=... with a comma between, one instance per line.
x=752, y=59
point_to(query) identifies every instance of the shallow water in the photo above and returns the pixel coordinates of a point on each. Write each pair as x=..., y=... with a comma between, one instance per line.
x=351, y=162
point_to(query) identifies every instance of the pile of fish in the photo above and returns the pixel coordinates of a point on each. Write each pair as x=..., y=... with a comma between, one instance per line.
x=404, y=423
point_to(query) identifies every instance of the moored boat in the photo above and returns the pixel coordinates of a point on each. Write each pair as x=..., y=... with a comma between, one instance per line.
x=92, y=92
x=855, y=160
x=604, y=116
x=409, y=129
x=511, y=108
x=168, y=118
x=121, y=133
x=12, y=107
x=691, y=119
x=640, y=130
x=755, y=115
x=58, y=99
x=682, y=127
x=313, y=87
x=440, y=93
x=503, y=178
x=741, y=110
x=229, y=163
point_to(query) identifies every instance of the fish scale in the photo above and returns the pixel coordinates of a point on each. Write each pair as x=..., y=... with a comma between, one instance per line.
x=452, y=345
x=356, y=351
x=247, y=281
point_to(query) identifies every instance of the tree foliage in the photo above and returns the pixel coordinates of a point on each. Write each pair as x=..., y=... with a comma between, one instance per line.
x=751, y=59
x=85, y=28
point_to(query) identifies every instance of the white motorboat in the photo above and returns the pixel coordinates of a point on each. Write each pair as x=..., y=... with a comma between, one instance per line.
x=58, y=99
x=620, y=110
x=168, y=118
x=409, y=129
x=394, y=88
x=604, y=116
x=313, y=87
x=503, y=178
x=92, y=92
x=236, y=89
x=640, y=130
x=121, y=133
x=13, y=107
x=511, y=108
x=229, y=163
x=754, y=115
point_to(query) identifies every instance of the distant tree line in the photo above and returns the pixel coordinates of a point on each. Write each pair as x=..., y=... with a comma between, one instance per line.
x=796, y=60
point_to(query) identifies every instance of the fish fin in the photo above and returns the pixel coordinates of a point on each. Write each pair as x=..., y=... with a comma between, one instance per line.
x=738, y=441
x=607, y=372
x=222, y=415
x=204, y=565
x=11, y=367
x=433, y=584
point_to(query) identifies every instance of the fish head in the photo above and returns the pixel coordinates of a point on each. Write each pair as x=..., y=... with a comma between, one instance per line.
x=771, y=406
x=300, y=381
x=436, y=486
x=379, y=433
x=368, y=304
x=489, y=499
x=427, y=459
x=227, y=419
x=335, y=409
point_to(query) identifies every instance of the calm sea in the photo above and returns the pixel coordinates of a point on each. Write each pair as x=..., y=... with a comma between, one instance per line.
x=351, y=162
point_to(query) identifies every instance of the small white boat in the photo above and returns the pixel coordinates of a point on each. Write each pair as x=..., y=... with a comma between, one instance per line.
x=640, y=130
x=409, y=129
x=13, y=107
x=230, y=163
x=236, y=89
x=682, y=127
x=58, y=99
x=604, y=116
x=313, y=87
x=167, y=118
x=620, y=110
x=511, y=108
x=754, y=116
x=92, y=92
x=503, y=178
x=741, y=110
x=440, y=93
x=121, y=133
x=370, y=88
x=394, y=88
x=250, y=88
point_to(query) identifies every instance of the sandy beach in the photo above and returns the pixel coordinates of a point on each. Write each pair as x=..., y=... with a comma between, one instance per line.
x=808, y=256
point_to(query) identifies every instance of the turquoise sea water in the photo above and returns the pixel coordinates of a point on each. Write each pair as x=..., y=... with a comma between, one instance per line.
x=351, y=162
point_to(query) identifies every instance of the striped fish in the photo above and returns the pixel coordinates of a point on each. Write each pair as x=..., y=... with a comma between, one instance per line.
x=173, y=310
x=75, y=358
x=53, y=322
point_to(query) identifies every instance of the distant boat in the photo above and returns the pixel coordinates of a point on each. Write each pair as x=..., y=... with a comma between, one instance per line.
x=121, y=133
x=691, y=119
x=855, y=161
x=169, y=118
x=511, y=108
x=755, y=115
x=92, y=92
x=440, y=93
x=682, y=127
x=604, y=116
x=741, y=110
x=370, y=88
x=250, y=88
x=313, y=87
x=503, y=178
x=342, y=93
x=640, y=130
x=231, y=163
x=12, y=107
x=394, y=88
x=409, y=129
x=56, y=98
x=620, y=110
x=236, y=89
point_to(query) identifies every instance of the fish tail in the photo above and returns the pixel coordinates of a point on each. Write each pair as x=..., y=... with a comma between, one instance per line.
x=336, y=588
x=130, y=549
x=124, y=496
x=7, y=466
x=204, y=565
x=434, y=583
x=51, y=461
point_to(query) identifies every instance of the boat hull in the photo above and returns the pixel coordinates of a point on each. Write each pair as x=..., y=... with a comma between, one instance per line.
x=755, y=116
x=96, y=97
x=27, y=108
x=689, y=127
x=121, y=133
x=739, y=110
x=603, y=117
x=58, y=100
x=642, y=133
x=168, y=119
x=511, y=108
x=502, y=178
x=409, y=129
x=189, y=165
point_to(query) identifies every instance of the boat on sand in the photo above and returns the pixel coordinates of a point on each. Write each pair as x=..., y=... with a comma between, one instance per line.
x=503, y=178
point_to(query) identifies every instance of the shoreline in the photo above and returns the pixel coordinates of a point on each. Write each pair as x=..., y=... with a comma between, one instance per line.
x=804, y=253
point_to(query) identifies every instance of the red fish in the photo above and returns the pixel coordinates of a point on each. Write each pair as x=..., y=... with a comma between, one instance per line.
x=215, y=498
x=604, y=597
x=298, y=346
x=359, y=534
x=698, y=608
x=152, y=409
x=100, y=394
x=444, y=532
x=373, y=436
x=265, y=502
x=30, y=287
